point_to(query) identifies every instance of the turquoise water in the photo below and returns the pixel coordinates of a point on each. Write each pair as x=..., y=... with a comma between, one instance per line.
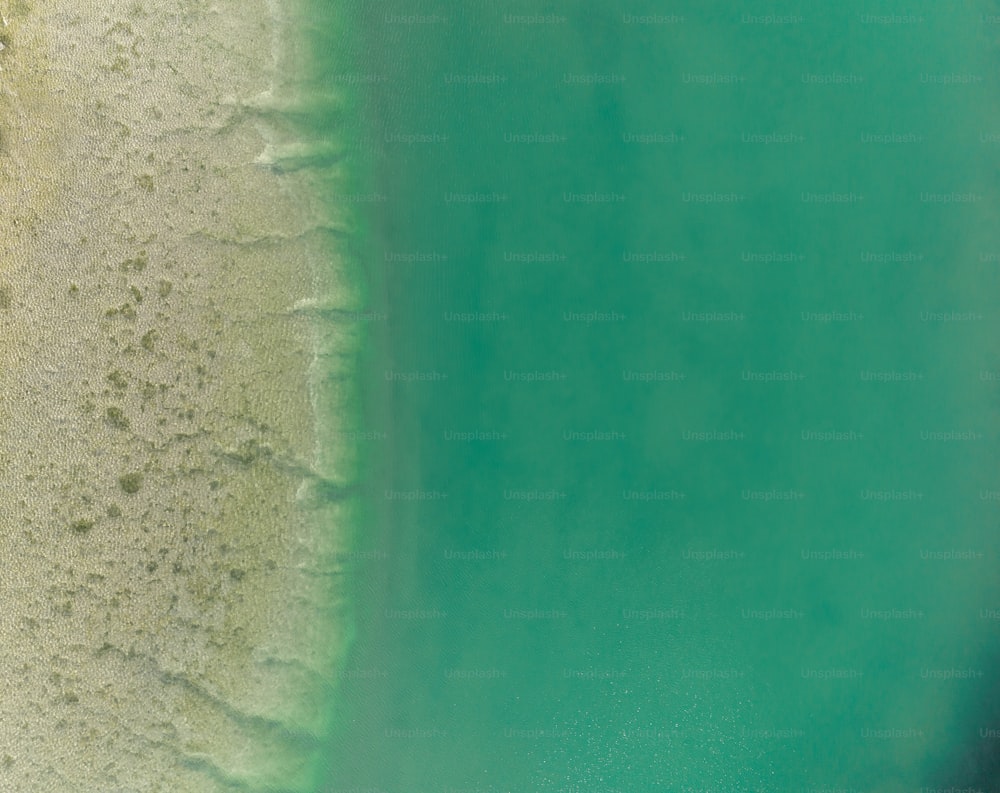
x=680, y=466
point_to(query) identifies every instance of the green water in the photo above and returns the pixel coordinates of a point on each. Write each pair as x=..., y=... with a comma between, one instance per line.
x=693, y=486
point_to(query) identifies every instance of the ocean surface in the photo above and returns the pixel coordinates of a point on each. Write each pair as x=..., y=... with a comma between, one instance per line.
x=678, y=399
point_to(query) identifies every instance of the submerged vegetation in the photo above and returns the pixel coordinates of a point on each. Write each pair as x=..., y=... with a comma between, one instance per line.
x=131, y=483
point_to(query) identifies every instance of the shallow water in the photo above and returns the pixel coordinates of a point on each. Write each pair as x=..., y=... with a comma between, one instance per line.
x=683, y=435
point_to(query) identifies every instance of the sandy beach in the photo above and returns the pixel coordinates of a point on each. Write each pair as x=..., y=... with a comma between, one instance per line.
x=170, y=588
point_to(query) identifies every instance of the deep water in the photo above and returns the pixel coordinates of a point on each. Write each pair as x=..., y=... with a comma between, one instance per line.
x=678, y=398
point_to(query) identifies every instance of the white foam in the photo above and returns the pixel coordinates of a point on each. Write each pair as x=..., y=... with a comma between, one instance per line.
x=298, y=155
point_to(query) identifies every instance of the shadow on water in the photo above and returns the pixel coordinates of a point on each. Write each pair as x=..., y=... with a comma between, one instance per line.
x=971, y=759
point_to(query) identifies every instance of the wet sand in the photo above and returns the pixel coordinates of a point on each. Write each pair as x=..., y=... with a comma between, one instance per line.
x=169, y=582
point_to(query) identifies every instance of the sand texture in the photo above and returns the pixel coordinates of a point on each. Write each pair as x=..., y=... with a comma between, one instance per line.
x=169, y=583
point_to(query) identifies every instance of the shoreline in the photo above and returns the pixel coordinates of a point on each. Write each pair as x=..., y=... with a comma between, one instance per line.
x=176, y=614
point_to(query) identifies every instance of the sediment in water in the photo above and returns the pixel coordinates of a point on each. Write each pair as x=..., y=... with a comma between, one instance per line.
x=171, y=500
